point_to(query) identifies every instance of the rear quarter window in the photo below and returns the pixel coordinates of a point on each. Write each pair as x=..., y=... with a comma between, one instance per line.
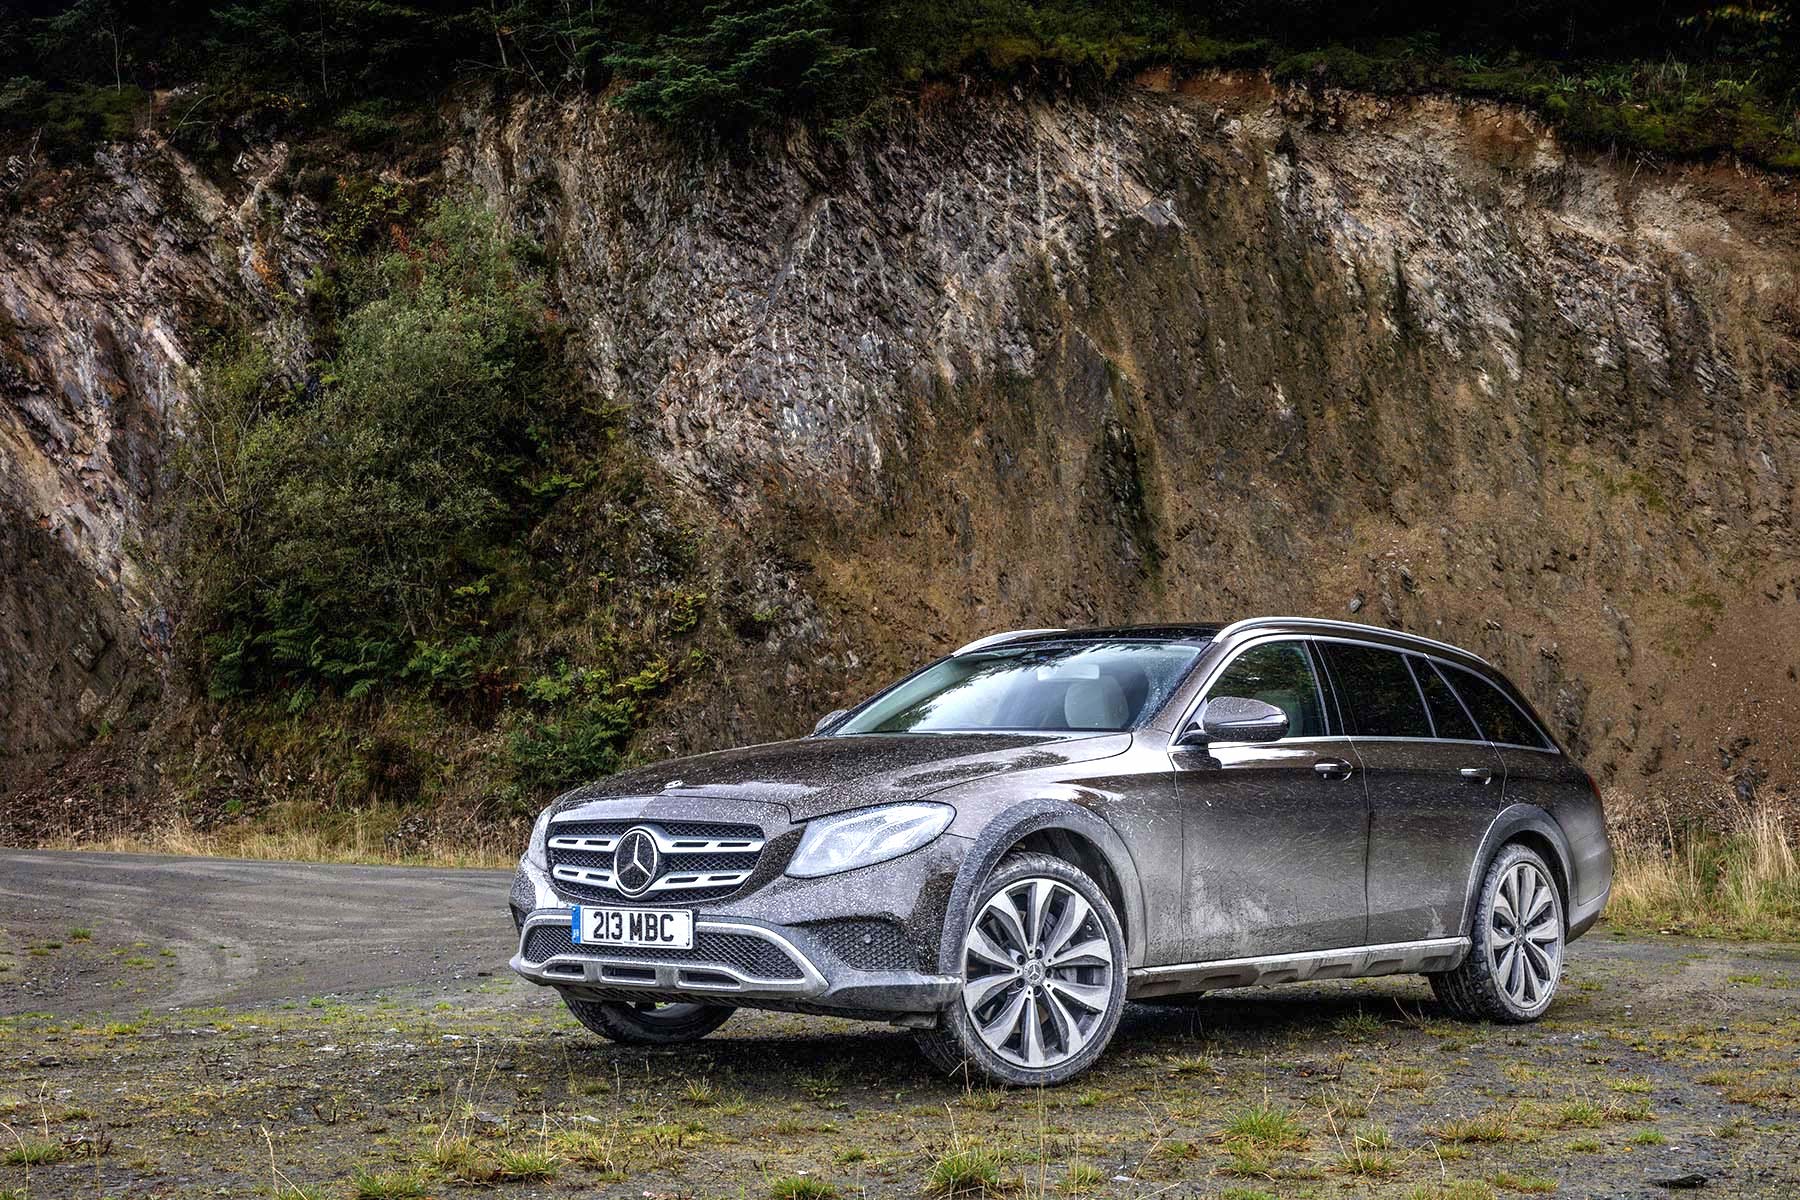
x=1500, y=719
x=1446, y=711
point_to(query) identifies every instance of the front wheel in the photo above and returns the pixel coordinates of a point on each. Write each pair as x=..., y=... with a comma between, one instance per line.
x=649, y=1024
x=1515, y=944
x=1043, y=961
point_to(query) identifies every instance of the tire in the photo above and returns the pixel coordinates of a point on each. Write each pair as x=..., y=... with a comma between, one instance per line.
x=649, y=1024
x=1506, y=977
x=1074, y=1007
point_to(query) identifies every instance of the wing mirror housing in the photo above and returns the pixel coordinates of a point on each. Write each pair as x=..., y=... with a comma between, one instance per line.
x=829, y=719
x=1234, y=719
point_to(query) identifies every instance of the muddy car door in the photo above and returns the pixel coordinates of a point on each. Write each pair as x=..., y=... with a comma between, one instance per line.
x=1275, y=833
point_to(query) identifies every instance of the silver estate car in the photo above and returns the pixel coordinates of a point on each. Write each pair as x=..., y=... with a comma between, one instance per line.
x=1001, y=849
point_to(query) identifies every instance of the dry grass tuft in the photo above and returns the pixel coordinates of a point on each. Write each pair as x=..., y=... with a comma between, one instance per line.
x=374, y=835
x=1745, y=883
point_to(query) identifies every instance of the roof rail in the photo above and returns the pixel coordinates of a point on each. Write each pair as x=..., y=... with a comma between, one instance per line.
x=1354, y=626
x=995, y=639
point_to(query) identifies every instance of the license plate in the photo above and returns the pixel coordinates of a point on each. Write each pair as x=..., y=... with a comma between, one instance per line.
x=658, y=928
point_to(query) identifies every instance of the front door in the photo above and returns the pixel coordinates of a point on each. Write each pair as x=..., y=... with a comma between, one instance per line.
x=1275, y=834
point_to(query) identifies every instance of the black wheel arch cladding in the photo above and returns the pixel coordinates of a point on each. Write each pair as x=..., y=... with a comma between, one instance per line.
x=1531, y=826
x=1018, y=824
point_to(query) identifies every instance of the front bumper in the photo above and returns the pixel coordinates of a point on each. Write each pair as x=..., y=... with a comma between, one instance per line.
x=812, y=945
x=734, y=962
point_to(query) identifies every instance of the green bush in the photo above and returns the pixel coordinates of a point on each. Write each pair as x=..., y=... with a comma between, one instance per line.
x=343, y=530
x=68, y=124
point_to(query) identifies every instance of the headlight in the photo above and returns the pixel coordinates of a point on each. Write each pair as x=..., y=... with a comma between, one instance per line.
x=535, y=853
x=872, y=835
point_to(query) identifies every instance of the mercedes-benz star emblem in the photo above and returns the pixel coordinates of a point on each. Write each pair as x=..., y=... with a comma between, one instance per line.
x=636, y=863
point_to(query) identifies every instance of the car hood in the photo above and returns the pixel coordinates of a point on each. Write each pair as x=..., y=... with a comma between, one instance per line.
x=815, y=776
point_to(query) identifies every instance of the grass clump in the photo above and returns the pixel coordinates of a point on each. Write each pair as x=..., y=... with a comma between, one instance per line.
x=35, y=1152
x=590, y=1149
x=801, y=1187
x=1082, y=1177
x=1453, y=1189
x=1369, y=1152
x=526, y=1163
x=1487, y=1127
x=1264, y=1124
x=967, y=1171
x=388, y=1185
x=462, y=1160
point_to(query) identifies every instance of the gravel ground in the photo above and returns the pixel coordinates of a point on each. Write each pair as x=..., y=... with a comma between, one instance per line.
x=360, y=1036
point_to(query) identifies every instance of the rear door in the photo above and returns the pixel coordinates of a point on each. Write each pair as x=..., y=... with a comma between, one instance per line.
x=1434, y=786
x=1275, y=834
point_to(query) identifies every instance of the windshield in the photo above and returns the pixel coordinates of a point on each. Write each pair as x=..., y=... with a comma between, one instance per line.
x=1082, y=686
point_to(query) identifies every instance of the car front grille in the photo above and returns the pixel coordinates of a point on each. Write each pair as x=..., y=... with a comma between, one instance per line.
x=701, y=860
x=748, y=955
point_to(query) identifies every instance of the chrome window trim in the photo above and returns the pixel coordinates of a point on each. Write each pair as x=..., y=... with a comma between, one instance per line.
x=1351, y=626
x=1292, y=635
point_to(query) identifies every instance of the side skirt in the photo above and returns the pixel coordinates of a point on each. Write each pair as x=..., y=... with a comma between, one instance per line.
x=1396, y=958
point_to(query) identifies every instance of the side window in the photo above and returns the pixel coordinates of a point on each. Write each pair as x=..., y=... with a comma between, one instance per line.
x=1376, y=691
x=1278, y=673
x=1499, y=718
x=1446, y=712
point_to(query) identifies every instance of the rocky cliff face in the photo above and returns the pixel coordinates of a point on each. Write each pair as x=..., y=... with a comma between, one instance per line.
x=1196, y=350
x=103, y=296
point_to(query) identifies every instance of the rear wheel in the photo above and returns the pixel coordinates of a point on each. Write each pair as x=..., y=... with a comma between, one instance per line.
x=1043, y=960
x=1515, y=944
x=649, y=1024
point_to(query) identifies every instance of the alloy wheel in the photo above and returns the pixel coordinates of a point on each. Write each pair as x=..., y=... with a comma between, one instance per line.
x=1525, y=936
x=1039, y=973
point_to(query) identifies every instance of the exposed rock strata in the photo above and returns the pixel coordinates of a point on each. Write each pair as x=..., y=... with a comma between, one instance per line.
x=1205, y=351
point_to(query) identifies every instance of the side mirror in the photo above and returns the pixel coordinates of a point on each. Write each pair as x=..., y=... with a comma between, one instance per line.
x=1235, y=719
x=829, y=719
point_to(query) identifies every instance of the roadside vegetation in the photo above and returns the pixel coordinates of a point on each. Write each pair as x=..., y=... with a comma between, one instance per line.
x=1742, y=882
x=1678, y=79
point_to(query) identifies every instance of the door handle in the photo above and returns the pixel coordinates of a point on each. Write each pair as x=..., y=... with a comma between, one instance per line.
x=1477, y=774
x=1333, y=768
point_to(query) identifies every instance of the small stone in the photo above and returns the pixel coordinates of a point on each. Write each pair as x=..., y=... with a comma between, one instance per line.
x=1356, y=603
x=1693, y=1179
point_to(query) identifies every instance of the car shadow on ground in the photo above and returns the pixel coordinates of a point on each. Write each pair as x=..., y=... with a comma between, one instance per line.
x=1251, y=1024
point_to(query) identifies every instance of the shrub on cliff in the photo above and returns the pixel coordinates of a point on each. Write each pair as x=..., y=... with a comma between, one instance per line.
x=337, y=526
x=432, y=519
